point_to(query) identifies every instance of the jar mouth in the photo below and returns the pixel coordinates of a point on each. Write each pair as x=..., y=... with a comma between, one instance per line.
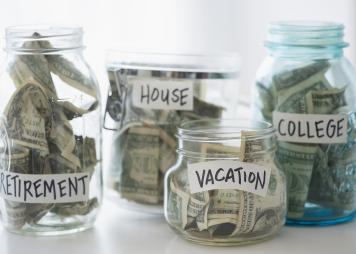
x=43, y=38
x=219, y=62
x=306, y=34
x=219, y=130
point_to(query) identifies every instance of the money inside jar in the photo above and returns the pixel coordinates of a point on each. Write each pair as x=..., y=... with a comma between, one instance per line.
x=145, y=105
x=318, y=173
x=227, y=213
x=39, y=120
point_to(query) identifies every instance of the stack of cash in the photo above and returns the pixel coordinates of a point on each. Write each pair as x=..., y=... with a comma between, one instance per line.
x=224, y=215
x=144, y=146
x=40, y=131
x=321, y=174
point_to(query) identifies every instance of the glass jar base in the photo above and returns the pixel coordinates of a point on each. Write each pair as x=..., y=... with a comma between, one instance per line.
x=51, y=230
x=152, y=209
x=226, y=242
x=316, y=215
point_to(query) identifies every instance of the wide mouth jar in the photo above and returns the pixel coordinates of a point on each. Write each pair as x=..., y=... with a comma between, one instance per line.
x=178, y=86
x=193, y=135
x=206, y=202
x=43, y=39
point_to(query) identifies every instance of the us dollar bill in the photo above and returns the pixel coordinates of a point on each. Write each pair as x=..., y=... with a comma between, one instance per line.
x=290, y=78
x=29, y=117
x=25, y=67
x=40, y=130
x=298, y=161
x=259, y=215
x=321, y=178
x=197, y=211
x=140, y=166
x=326, y=101
x=71, y=75
x=177, y=206
x=158, y=125
x=222, y=214
x=15, y=212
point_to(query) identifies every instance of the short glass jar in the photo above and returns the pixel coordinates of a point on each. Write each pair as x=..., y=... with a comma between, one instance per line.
x=225, y=188
x=50, y=105
x=306, y=87
x=149, y=96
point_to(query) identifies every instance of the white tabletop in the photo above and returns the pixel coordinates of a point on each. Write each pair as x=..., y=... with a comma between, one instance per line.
x=121, y=231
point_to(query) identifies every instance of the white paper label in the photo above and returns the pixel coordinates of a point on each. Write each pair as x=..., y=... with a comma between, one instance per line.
x=162, y=94
x=310, y=128
x=228, y=174
x=55, y=188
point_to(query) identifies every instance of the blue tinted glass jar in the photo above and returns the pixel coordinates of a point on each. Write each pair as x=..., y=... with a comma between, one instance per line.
x=306, y=87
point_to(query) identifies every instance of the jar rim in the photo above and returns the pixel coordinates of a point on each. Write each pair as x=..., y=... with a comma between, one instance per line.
x=304, y=33
x=222, y=61
x=305, y=25
x=43, y=38
x=45, y=31
x=217, y=130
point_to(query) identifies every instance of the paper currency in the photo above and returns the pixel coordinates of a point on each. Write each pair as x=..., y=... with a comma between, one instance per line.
x=141, y=174
x=15, y=212
x=315, y=173
x=40, y=130
x=71, y=74
x=32, y=66
x=144, y=145
x=177, y=208
x=28, y=115
x=298, y=161
x=226, y=214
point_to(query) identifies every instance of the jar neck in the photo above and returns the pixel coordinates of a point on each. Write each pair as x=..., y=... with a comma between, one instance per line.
x=306, y=40
x=225, y=139
x=43, y=39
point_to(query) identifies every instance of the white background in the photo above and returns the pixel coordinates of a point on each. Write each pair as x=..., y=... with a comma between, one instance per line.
x=178, y=25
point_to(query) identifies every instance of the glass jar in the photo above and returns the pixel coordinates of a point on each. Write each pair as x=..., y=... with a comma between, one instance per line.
x=50, y=102
x=149, y=95
x=225, y=188
x=306, y=87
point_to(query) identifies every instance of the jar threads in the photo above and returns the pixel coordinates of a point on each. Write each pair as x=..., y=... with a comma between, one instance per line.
x=213, y=215
x=49, y=98
x=306, y=88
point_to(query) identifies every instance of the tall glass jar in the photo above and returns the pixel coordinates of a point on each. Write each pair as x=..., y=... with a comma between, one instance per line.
x=149, y=95
x=306, y=87
x=225, y=188
x=51, y=179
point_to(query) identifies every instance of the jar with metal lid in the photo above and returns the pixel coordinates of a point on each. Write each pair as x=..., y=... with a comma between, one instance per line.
x=225, y=187
x=51, y=179
x=306, y=87
x=149, y=95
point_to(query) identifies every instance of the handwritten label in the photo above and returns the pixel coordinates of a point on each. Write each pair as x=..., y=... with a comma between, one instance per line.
x=163, y=94
x=55, y=188
x=310, y=128
x=228, y=174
